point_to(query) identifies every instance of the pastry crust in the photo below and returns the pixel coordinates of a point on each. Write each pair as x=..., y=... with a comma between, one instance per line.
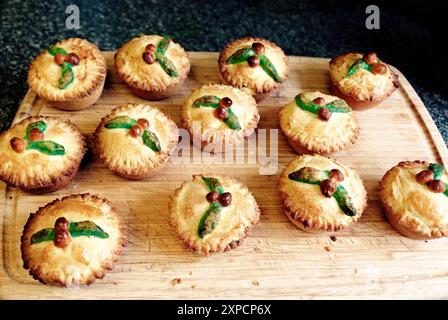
x=188, y=204
x=129, y=157
x=34, y=171
x=213, y=132
x=149, y=81
x=87, y=86
x=306, y=133
x=85, y=259
x=412, y=208
x=308, y=208
x=364, y=89
x=242, y=76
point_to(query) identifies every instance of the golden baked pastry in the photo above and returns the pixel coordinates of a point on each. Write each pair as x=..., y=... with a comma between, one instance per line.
x=321, y=194
x=219, y=115
x=415, y=199
x=72, y=241
x=41, y=154
x=153, y=66
x=212, y=213
x=135, y=140
x=318, y=123
x=70, y=74
x=253, y=63
x=362, y=81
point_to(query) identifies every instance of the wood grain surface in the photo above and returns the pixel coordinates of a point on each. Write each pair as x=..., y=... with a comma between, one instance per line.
x=370, y=260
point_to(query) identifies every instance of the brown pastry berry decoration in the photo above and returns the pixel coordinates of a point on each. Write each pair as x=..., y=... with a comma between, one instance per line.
x=258, y=48
x=212, y=196
x=143, y=123
x=225, y=102
x=370, y=58
x=328, y=187
x=319, y=101
x=225, y=199
x=336, y=175
x=253, y=61
x=324, y=114
x=36, y=135
x=72, y=58
x=431, y=178
x=136, y=131
x=61, y=233
x=379, y=68
x=59, y=59
x=18, y=144
x=148, y=57
x=221, y=113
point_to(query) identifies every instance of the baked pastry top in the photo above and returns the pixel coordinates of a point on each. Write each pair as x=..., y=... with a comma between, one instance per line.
x=169, y=65
x=317, y=197
x=303, y=122
x=202, y=113
x=415, y=199
x=254, y=63
x=135, y=139
x=73, y=240
x=70, y=69
x=354, y=77
x=39, y=152
x=207, y=219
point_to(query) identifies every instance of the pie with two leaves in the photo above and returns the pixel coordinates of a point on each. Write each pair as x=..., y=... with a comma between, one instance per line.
x=362, y=80
x=135, y=140
x=321, y=194
x=415, y=199
x=212, y=213
x=315, y=122
x=70, y=74
x=254, y=63
x=153, y=66
x=219, y=116
x=73, y=241
x=41, y=154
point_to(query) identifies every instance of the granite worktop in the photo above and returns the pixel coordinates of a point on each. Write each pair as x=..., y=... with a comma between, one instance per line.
x=407, y=34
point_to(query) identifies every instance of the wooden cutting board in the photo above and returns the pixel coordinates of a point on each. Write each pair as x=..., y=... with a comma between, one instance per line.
x=370, y=260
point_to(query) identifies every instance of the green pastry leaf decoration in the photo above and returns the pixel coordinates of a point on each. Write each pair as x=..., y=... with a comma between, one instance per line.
x=345, y=201
x=232, y=120
x=53, y=50
x=209, y=219
x=210, y=101
x=163, y=45
x=358, y=65
x=50, y=148
x=241, y=55
x=438, y=170
x=269, y=68
x=213, y=184
x=314, y=176
x=120, y=122
x=207, y=101
x=446, y=192
x=76, y=229
x=309, y=175
x=336, y=106
x=87, y=229
x=67, y=76
x=41, y=125
x=166, y=65
x=150, y=140
x=43, y=235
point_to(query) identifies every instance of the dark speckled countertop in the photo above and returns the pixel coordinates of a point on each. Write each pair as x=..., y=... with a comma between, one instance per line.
x=409, y=37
